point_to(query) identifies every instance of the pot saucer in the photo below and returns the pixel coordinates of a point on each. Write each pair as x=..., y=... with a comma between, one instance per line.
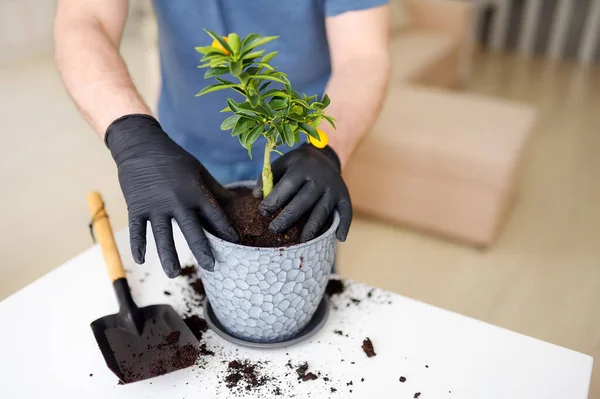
x=313, y=326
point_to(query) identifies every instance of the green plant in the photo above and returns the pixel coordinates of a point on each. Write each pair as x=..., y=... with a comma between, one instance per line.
x=278, y=114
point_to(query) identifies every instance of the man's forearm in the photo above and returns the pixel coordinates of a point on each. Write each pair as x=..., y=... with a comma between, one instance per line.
x=94, y=73
x=357, y=91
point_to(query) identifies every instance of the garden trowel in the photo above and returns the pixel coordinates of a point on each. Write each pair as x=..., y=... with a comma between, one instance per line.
x=137, y=343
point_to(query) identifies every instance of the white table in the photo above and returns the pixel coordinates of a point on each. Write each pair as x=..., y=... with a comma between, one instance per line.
x=48, y=349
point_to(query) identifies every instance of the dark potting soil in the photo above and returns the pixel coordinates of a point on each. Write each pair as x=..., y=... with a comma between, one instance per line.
x=198, y=287
x=185, y=356
x=402, y=379
x=309, y=376
x=252, y=227
x=367, y=347
x=157, y=352
x=188, y=271
x=197, y=324
x=244, y=374
x=417, y=395
x=204, y=351
x=301, y=370
x=334, y=287
x=193, y=293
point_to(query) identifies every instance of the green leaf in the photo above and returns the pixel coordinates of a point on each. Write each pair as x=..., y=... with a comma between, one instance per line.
x=279, y=152
x=242, y=138
x=268, y=77
x=255, y=134
x=310, y=130
x=234, y=42
x=214, y=57
x=288, y=135
x=301, y=102
x=274, y=93
x=240, y=90
x=253, y=54
x=317, y=121
x=259, y=110
x=230, y=122
x=296, y=117
x=279, y=129
x=249, y=45
x=298, y=110
x=278, y=74
x=224, y=81
x=330, y=120
x=208, y=50
x=216, y=63
x=264, y=65
x=251, y=71
x=264, y=86
x=220, y=40
x=235, y=107
x=235, y=68
x=251, y=37
x=243, y=125
x=269, y=57
x=226, y=109
x=316, y=105
x=326, y=101
x=278, y=104
x=210, y=89
x=254, y=100
x=215, y=72
x=296, y=134
x=266, y=108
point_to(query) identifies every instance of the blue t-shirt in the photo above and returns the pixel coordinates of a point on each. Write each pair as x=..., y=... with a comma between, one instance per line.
x=193, y=122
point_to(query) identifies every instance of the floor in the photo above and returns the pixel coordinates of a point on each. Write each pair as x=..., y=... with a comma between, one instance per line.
x=542, y=277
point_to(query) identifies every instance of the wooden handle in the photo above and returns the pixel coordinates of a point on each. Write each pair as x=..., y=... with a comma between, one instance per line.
x=104, y=236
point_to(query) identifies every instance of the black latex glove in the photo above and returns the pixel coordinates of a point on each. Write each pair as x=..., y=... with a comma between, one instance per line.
x=307, y=179
x=161, y=181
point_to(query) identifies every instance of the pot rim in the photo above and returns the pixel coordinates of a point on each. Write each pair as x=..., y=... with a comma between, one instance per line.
x=250, y=183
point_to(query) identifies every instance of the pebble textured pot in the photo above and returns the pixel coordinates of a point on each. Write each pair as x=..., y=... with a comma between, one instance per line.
x=268, y=294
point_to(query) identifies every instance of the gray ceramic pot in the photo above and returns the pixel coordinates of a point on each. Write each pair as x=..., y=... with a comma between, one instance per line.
x=268, y=294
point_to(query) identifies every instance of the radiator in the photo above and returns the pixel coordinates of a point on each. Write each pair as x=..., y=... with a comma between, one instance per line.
x=554, y=29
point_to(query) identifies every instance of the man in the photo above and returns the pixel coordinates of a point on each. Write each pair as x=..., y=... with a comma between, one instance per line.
x=335, y=46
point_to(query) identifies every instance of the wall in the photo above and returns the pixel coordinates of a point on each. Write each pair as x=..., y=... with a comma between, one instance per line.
x=26, y=27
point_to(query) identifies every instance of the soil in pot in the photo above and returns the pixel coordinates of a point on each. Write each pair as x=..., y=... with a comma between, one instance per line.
x=253, y=228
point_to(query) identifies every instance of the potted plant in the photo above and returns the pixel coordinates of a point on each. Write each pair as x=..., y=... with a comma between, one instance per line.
x=267, y=287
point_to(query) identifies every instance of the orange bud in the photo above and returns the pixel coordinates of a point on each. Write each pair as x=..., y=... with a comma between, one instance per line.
x=217, y=45
x=321, y=142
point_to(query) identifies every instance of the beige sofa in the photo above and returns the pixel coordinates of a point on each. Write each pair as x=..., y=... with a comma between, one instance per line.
x=438, y=159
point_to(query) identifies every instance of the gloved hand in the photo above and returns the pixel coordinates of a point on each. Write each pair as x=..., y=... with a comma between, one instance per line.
x=307, y=179
x=161, y=181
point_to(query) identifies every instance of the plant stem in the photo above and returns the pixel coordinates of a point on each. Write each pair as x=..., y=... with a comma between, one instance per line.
x=267, y=174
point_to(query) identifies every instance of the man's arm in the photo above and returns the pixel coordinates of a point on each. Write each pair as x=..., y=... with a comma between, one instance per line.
x=309, y=179
x=87, y=35
x=159, y=179
x=359, y=45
